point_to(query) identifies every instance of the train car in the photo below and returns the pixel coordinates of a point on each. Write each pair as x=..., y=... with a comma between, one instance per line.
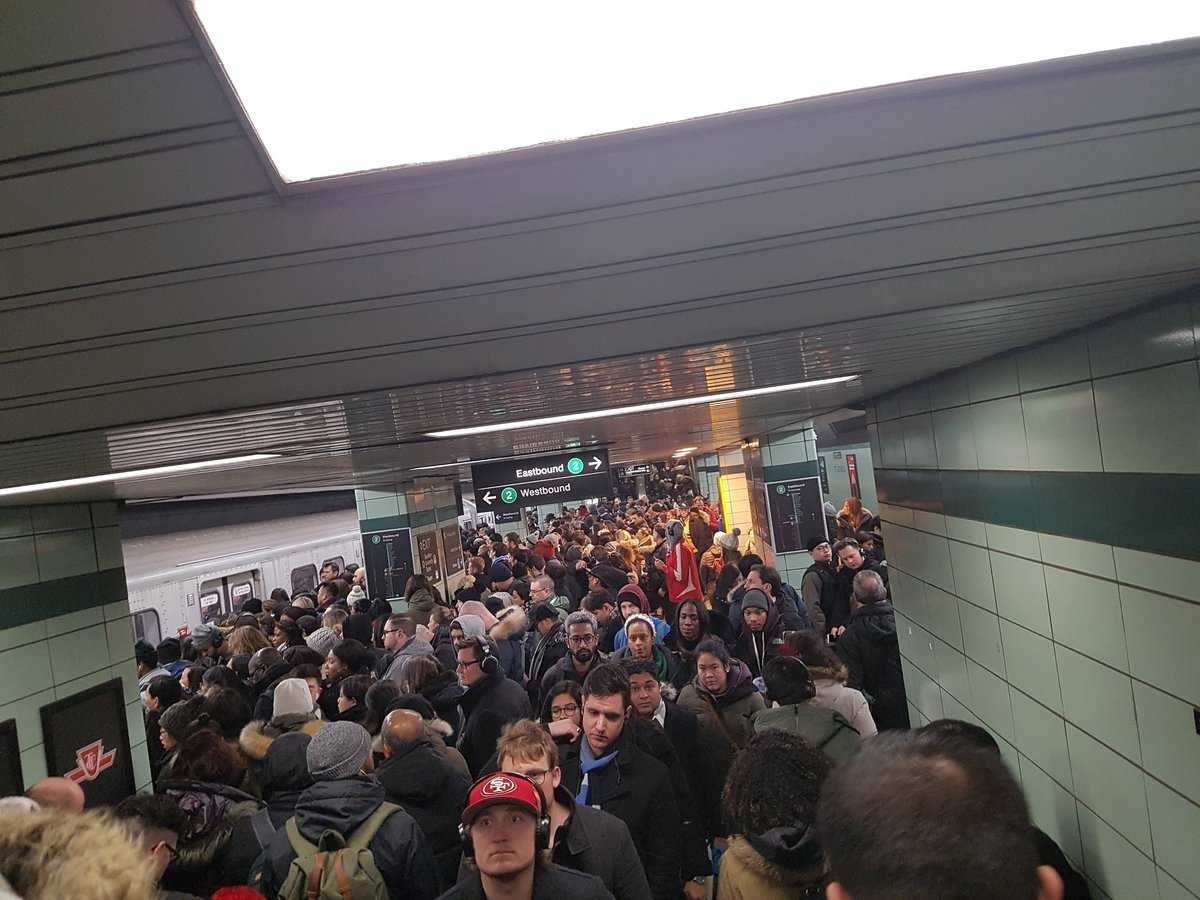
x=179, y=580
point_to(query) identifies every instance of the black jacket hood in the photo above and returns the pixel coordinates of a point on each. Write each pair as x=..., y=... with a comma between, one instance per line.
x=877, y=620
x=417, y=776
x=341, y=805
x=790, y=847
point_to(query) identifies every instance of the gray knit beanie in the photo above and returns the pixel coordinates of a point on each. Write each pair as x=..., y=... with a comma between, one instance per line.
x=339, y=750
x=177, y=719
x=323, y=640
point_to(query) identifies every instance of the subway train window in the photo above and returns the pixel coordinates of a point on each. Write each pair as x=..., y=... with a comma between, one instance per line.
x=238, y=593
x=146, y=626
x=210, y=606
x=304, y=578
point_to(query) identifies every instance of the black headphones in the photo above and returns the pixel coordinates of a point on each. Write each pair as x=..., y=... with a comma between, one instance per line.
x=489, y=663
x=541, y=835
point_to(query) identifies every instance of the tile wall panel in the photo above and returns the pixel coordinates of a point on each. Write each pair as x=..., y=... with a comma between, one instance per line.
x=64, y=557
x=1053, y=463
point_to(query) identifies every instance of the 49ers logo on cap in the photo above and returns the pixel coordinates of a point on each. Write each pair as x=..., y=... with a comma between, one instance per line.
x=498, y=786
x=92, y=761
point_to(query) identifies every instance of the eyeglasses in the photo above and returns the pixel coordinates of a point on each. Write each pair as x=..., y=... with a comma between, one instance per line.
x=580, y=639
x=467, y=664
x=537, y=776
x=392, y=630
x=561, y=712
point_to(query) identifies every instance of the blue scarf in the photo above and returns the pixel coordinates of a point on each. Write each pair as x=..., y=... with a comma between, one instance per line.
x=589, y=763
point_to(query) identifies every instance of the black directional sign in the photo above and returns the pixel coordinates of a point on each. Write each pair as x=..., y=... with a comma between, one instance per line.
x=573, y=475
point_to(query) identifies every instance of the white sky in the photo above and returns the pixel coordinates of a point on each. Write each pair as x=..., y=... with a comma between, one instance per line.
x=337, y=86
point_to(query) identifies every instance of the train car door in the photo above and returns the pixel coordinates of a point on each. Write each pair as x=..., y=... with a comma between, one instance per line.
x=226, y=594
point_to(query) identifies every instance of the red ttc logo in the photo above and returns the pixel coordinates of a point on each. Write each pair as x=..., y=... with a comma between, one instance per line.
x=92, y=760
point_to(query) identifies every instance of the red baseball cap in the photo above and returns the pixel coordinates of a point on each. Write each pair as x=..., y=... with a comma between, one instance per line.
x=502, y=787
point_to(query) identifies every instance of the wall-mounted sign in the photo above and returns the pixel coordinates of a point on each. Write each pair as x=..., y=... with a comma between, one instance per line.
x=11, y=780
x=427, y=555
x=452, y=550
x=852, y=472
x=512, y=484
x=388, y=557
x=87, y=740
x=797, y=514
x=824, y=475
x=634, y=471
x=509, y=517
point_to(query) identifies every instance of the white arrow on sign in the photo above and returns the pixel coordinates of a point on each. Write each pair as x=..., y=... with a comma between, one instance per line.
x=488, y=498
x=595, y=463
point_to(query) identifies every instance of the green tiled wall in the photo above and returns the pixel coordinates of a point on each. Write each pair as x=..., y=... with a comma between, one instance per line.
x=64, y=620
x=1045, y=560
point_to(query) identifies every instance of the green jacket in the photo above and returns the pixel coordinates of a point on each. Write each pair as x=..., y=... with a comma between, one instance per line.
x=823, y=728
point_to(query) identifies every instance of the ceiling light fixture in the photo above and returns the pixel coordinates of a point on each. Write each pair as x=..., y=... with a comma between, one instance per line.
x=685, y=450
x=136, y=473
x=638, y=408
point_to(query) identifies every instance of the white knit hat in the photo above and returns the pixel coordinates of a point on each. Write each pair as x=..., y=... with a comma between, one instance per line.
x=292, y=697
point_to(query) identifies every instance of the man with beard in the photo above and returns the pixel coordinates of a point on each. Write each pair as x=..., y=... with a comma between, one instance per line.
x=582, y=654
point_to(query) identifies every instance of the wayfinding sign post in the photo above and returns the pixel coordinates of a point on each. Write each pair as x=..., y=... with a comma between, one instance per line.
x=573, y=475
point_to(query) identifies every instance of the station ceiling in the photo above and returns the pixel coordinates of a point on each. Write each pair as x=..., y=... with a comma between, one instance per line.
x=162, y=302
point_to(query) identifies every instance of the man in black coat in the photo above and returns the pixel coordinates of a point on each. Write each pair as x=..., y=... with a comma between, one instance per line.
x=871, y=652
x=504, y=830
x=342, y=800
x=693, y=751
x=818, y=587
x=581, y=838
x=419, y=778
x=549, y=642
x=492, y=701
x=608, y=770
x=852, y=560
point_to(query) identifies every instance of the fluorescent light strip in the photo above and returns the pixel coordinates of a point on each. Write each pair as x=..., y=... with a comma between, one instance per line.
x=638, y=408
x=135, y=473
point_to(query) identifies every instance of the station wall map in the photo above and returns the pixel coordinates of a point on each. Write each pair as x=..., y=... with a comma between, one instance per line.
x=796, y=512
x=388, y=557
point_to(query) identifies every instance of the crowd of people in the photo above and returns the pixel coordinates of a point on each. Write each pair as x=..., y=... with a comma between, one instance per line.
x=623, y=703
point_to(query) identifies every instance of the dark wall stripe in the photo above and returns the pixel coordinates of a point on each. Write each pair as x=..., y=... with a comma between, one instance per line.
x=34, y=602
x=1124, y=509
x=791, y=470
x=384, y=523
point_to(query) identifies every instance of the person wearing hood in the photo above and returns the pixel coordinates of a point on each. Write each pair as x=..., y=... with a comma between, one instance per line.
x=295, y=712
x=829, y=676
x=203, y=783
x=550, y=646
x=631, y=599
x=344, y=798
x=871, y=652
x=691, y=626
x=762, y=632
x=280, y=773
x=402, y=644
x=724, y=699
x=792, y=694
x=508, y=635
x=679, y=567
x=643, y=642
x=771, y=803
x=421, y=597
x=425, y=784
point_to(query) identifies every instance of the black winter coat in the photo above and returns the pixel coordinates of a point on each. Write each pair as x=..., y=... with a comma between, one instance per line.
x=599, y=844
x=546, y=652
x=697, y=757
x=637, y=789
x=278, y=768
x=399, y=848
x=839, y=613
x=209, y=858
x=871, y=653
x=444, y=693
x=433, y=792
x=563, y=670
x=489, y=705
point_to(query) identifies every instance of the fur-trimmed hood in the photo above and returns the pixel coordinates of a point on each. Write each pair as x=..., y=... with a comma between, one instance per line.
x=741, y=849
x=257, y=737
x=513, y=624
x=840, y=674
